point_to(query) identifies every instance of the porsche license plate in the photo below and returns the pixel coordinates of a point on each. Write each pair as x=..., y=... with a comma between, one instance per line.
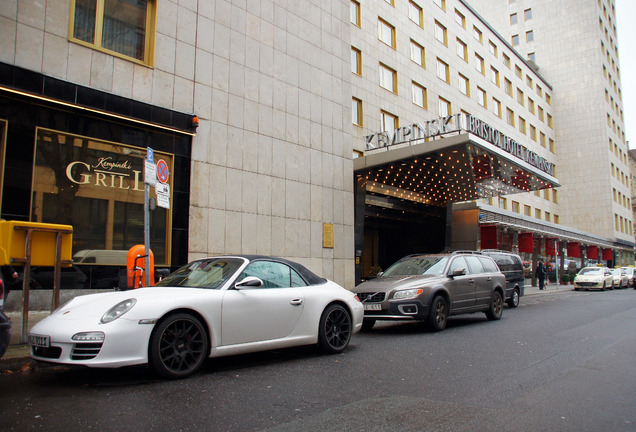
x=372, y=306
x=39, y=341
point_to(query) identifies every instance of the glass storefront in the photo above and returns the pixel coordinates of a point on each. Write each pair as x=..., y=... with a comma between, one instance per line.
x=97, y=187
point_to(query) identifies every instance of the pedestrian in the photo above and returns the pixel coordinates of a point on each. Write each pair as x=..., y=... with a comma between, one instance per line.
x=540, y=273
x=11, y=279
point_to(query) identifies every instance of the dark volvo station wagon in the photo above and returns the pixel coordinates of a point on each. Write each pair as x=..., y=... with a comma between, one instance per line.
x=431, y=288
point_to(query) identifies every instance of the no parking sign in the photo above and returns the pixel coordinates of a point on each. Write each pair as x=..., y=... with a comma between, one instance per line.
x=162, y=171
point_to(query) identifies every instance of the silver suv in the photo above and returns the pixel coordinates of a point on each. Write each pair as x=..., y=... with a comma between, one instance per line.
x=433, y=287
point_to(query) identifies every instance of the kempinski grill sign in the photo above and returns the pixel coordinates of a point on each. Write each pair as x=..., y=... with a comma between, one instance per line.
x=458, y=123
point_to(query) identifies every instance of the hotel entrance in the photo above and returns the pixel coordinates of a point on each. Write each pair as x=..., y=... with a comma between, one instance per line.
x=406, y=185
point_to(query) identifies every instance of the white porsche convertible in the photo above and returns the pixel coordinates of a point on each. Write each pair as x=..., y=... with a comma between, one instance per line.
x=211, y=307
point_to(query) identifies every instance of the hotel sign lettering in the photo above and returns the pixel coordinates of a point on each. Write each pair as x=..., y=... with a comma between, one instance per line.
x=105, y=173
x=457, y=123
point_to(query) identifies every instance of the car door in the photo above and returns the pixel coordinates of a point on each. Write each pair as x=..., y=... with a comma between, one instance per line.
x=269, y=312
x=461, y=288
x=483, y=281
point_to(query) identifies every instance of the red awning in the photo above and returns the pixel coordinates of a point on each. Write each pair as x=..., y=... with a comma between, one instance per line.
x=550, y=246
x=573, y=250
x=525, y=242
x=592, y=252
x=607, y=255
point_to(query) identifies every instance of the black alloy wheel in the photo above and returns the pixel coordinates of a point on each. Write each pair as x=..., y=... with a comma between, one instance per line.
x=334, y=331
x=438, y=316
x=496, y=307
x=178, y=346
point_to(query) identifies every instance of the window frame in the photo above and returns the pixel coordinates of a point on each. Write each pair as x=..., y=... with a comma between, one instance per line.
x=149, y=39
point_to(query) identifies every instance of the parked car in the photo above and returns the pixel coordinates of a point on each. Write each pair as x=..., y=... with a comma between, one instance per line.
x=621, y=280
x=431, y=288
x=594, y=278
x=631, y=273
x=211, y=307
x=511, y=266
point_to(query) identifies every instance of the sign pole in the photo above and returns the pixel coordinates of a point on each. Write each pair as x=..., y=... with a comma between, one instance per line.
x=150, y=180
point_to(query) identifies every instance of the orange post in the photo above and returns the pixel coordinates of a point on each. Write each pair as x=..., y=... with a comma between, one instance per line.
x=135, y=267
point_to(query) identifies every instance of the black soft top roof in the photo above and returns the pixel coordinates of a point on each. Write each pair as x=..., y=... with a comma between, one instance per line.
x=309, y=277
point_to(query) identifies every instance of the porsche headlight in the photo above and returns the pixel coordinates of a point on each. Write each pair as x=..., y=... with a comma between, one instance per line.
x=118, y=310
x=407, y=294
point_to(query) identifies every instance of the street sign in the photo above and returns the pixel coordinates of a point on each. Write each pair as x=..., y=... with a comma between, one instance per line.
x=163, y=201
x=150, y=177
x=162, y=171
x=162, y=189
x=150, y=154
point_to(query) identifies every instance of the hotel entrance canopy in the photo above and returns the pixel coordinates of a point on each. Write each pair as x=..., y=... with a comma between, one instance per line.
x=452, y=159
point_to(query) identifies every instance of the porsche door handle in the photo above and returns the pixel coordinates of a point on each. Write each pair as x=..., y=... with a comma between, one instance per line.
x=296, y=302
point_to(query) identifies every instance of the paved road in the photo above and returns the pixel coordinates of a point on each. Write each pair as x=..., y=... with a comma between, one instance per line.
x=559, y=362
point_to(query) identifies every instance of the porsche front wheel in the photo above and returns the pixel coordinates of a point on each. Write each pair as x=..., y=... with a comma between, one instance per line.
x=178, y=346
x=334, y=331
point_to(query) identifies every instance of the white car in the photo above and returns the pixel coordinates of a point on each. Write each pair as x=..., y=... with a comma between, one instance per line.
x=211, y=307
x=621, y=280
x=594, y=278
x=631, y=273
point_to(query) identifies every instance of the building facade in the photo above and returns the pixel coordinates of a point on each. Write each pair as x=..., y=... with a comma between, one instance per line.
x=342, y=134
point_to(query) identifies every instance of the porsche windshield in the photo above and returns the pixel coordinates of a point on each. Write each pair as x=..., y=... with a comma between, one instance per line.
x=207, y=273
x=415, y=266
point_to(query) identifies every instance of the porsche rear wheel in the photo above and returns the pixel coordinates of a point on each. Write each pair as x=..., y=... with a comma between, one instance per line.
x=334, y=331
x=178, y=346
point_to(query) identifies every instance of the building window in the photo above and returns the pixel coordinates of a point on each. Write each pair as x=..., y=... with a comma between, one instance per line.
x=388, y=78
x=539, y=91
x=415, y=14
x=548, y=99
x=460, y=18
x=443, y=71
x=417, y=53
x=513, y=19
x=496, y=107
x=356, y=111
x=508, y=86
x=540, y=113
x=522, y=125
x=533, y=133
x=551, y=142
x=548, y=217
x=120, y=27
x=532, y=56
x=542, y=139
x=518, y=72
x=529, y=36
x=510, y=117
x=440, y=33
x=515, y=207
x=520, y=97
x=389, y=121
x=440, y=3
x=479, y=64
x=462, y=50
x=550, y=121
x=494, y=76
x=463, y=84
x=390, y=2
x=482, y=98
x=356, y=61
x=527, y=210
x=386, y=33
x=537, y=213
x=527, y=14
x=477, y=34
x=515, y=40
x=556, y=219
x=492, y=48
x=444, y=107
x=506, y=60
x=531, y=105
x=555, y=198
x=503, y=203
x=418, y=93
x=354, y=12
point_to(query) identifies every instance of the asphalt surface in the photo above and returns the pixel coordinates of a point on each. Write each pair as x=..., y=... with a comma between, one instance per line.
x=562, y=361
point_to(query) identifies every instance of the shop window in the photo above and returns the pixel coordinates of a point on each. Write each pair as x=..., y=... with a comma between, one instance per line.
x=121, y=27
x=97, y=187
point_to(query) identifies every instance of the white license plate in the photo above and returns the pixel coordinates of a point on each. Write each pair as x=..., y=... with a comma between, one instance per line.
x=372, y=306
x=39, y=341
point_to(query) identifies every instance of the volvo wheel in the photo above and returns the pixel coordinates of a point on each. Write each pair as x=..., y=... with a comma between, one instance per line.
x=334, y=332
x=513, y=301
x=438, y=315
x=178, y=346
x=496, y=307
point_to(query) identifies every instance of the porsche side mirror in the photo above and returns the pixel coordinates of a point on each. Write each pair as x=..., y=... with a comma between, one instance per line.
x=249, y=282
